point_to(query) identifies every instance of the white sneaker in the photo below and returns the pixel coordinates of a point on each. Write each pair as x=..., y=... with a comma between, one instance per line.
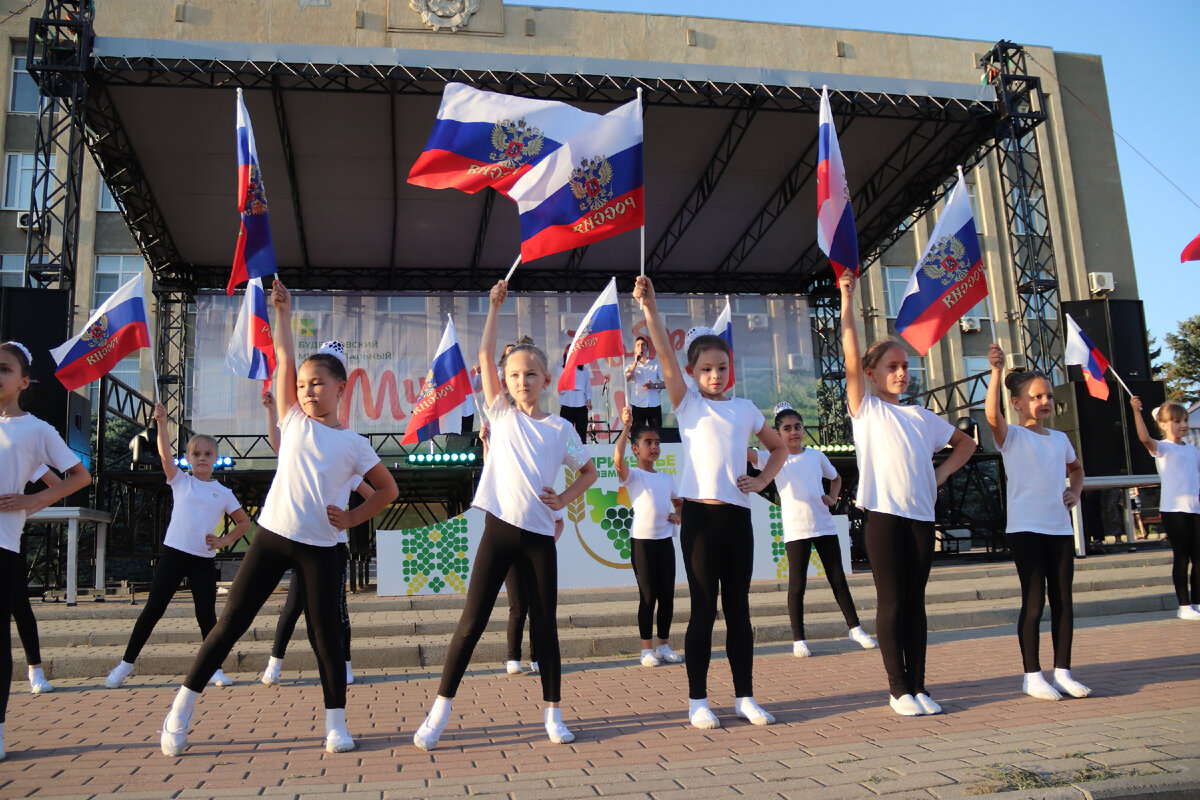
x=533, y=667
x=1068, y=685
x=703, y=718
x=649, y=659
x=270, y=675
x=1188, y=612
x=927, y=705
x=118, y=675
x=349, y=674
x=556, y=730
x=906, y=706
x=863, y=638
x=747, y=709
x=668, y=656
x=1034, y=685
x=800, y=649
x=427, y=735
x=338, y=741
x=220, y=679
x=513, y=667
x=174, y=742
x=39, y=685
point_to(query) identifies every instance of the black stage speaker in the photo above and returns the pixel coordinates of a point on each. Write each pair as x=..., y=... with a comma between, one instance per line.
x=37, y=318
x=1102, y=431
x=1118, y=328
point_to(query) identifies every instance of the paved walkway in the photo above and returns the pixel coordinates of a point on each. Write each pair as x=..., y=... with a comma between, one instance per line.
x=1139, y=736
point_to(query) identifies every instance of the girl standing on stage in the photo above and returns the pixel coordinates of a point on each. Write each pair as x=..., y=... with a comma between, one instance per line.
x=297, y=528
x=199, y=505
x=574, y=404
x=715, y=531
x=1178, y=464
x=293, y=606
x=807, y=523
x=526, y=448
x=653, y=497
x=1036, y=460
x=26, y=443
x=897, y=486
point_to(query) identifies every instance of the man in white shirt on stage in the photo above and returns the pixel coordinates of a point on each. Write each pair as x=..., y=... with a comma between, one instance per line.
x=645, y=381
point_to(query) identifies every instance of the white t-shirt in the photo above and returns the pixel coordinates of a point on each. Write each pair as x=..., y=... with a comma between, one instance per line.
x=524, y=455
x=804, y=514
x=581, y=395
x=650, y=493
x=199, y=507
x=1035, y=467
x=343, y=500
x=715, y=434
x=643, y=373
x=38, y=473
x=894, y=445
x=315, y=463
x=26, y=443
x=1179, y=466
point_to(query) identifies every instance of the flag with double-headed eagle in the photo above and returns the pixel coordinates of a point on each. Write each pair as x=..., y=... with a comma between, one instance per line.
x=836, y=235
x=588, y=190
x=948, y=281
x=251, y=351
x=482, y=139
x=446, y=395
x=599, y=336
x=118, y=327
x=254, y=256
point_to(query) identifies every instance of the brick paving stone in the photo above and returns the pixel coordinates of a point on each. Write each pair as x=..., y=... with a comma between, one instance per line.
x=801, y=790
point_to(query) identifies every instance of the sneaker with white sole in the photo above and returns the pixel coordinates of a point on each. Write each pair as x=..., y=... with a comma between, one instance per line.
x=174, y=742
x=118, y=675
x=270, y=676
x=800, y=649
x=1188, y=612
x=219, y=678
x=668, y=656
x=926, y=703
x=649, y=659
x=866, y=640
x=1068, y=685
x=906, y=706
x=39, y=685
x=513, y=667
x=338, y=741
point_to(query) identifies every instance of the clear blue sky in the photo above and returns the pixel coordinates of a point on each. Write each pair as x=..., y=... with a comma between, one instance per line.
x=1153, y=86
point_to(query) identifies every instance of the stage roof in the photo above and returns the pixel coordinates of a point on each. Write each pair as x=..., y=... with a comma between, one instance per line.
x=730, y=160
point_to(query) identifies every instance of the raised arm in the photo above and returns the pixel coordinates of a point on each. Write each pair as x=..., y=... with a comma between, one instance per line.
x=1148, y=441
x=995, y=403
x=619, y=447
x=493, y=382
x=856, y=379
x=643, y=292
x=285, y=349
x=268, y=401
x=166, y=453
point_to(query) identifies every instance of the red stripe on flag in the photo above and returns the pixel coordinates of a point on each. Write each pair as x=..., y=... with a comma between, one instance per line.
x=947, y=309
x=443, y=169
x=592, y=227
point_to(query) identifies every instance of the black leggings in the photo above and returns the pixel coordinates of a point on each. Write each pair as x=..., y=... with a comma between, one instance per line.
x=1183, y=532
x=718, y=554
x=1044, y=562
x=293, y=607
x=173, y=566
x=654, y=567
x=12, y=567
x=270, y=555
x=650, y=415
x=830, y=553
x=577, y=416
x=901, y=553
x=518, y=610
x=501, y=547
x=22, y=615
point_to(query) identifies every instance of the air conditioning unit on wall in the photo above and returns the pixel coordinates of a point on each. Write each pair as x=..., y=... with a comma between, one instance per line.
x=1101, y=282
x=969, y=324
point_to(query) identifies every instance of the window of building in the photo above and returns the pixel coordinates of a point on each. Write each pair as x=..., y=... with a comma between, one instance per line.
x=917, y=382
x=398, y=304
x=972, y=366
x=894, y=284
x=106, y=201
x=1030, y=204
x=24, y=96
x=12, y=269
x=18, y=181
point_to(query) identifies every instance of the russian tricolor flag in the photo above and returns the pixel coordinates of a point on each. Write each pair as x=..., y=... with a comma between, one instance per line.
x=254, y=256
x=948, y=281
x=447, y=388
x=117, y=328
x=251, y=351
x=723, y=327
x=599, y=336
x=835, y=216
x=482, y=139
x=1082, y=352
x=587, y=190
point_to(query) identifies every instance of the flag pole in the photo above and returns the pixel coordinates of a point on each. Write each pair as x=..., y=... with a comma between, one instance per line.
x=513, y=268
x=1118, y=377
x=153, y=366
x=642, y=261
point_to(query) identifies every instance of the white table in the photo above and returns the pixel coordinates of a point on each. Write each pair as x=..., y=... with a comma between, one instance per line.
x=1109, y=482
x=73, y=515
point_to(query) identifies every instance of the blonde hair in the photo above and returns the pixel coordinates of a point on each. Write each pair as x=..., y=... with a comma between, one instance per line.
x=1170, y=411
x=875, y=352
x=202, y=437
x=538, y=353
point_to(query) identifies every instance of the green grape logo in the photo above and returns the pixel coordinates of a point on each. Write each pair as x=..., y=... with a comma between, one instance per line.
x=436, y=556
x=616, y=524
x=778, y=548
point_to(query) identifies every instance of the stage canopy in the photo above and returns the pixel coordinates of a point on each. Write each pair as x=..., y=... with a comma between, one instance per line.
x=730, y=158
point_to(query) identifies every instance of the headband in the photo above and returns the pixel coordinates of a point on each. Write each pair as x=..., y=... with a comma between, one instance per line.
x=1154, y=411
x=784, y=406
x=23, y=349
x=333, y=348
x=694, y=333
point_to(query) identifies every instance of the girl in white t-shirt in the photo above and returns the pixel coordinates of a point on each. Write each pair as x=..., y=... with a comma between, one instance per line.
x=652, y=550
x=1178, y=464
x=1036, y=462
x=897, y=486
x=298, y=526
x=26, y=443
x=807, y=523
x=715, y=532
x=294, y=606
x=199, y=505
x=526, y=448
